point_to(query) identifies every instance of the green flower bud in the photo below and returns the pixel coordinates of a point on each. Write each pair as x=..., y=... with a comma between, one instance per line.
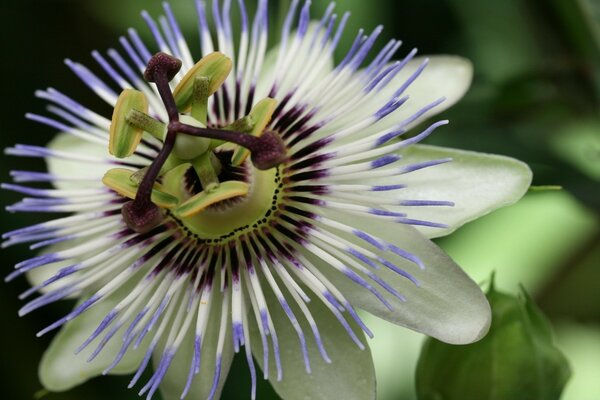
x=516, y=360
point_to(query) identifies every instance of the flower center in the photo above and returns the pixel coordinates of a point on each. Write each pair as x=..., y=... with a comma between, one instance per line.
x=232, y=218
x=200, y=177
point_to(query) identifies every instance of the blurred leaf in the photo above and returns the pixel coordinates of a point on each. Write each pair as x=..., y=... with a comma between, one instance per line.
x=526, y=243
x=579, y=26
x=591, y=11
x=579, y=145
x=516, y=360
x=395, y=353
x=581, y=343
x=581, y=276
x=128, y=14
x=500, y=36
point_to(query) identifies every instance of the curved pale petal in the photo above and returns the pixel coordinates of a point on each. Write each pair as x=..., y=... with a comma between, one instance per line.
x=350, y=376
x=38, y=276
x=91, y=172
x=173, y=384
x=268, y=71
x=444, y=76
x=440, y=84
x=61, y=369
x=446, y=305
x=477, y=183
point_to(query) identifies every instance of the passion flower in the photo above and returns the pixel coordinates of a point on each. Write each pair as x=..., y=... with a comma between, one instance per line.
x=251, y=200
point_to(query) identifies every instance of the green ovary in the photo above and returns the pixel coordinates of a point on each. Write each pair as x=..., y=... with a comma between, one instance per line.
x=233, y=219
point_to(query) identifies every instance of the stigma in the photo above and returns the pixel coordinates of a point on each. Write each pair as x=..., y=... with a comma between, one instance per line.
x=189, y=145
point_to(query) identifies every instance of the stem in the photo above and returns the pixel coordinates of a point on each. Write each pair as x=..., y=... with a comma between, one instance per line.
x=200, y=99
x=147, y=123
x=144, y=194
x=267, y=151
x=161, y=69
x=206, y=171
x=248, y=141
x=164, y=89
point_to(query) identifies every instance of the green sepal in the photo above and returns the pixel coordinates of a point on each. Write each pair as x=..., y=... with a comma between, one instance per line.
x=120, y=180
x=215, y=66
x=202, y=200
x=516, y=360
x=260, y=116
x=125, y=137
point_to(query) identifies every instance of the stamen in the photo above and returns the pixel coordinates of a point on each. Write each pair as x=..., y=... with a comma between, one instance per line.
x=141, y=214
x=125, y=137
x=147, y=123
x=161, y=69
x=267, y=149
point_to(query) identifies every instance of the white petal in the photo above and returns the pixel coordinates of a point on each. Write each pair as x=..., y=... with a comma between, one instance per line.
x=444, y=81
x=77, y=169
x=447, y=305
x=60, y=369
x=39, y=275
x=298, y=67
x=477, y=183
x=445, y=76
x=175, y=380
x=350, y=376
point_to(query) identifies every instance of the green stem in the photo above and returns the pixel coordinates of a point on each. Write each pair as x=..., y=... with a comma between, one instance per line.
x=205, y=168
x=200, y=99
x=146, y=123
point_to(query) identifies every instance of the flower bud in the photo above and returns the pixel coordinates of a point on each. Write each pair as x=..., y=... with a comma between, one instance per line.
x=516, y=360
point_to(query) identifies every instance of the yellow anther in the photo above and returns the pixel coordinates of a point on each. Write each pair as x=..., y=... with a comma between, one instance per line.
x=125, y=137
x=119, y=180
x=260, y=115
x=215, y=66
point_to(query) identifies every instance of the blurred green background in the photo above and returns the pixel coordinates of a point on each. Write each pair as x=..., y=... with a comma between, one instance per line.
x=535, y=97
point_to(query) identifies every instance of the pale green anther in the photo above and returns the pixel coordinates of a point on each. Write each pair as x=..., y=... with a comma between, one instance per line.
x=204, y=199
x=188, y=147
x=119, y=180
x=244, y=125
x=205, y=168
x=260, y=115
x=147, y=123
x=138, y=176
x=215, y=66
x=125, y=137
x=200, y=99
